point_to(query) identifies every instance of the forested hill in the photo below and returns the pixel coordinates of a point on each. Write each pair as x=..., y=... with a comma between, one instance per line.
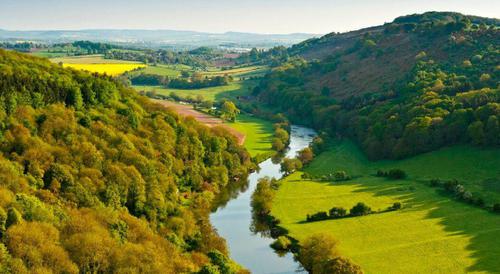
x=410, y=86
x=94, y=178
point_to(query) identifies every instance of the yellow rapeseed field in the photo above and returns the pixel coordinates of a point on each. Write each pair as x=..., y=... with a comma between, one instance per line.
x=109, y=69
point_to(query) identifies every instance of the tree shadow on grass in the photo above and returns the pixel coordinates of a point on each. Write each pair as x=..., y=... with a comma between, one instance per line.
x=481, y=227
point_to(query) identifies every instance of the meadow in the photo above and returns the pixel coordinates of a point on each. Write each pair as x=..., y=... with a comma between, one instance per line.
x=234, y=89
x=171, y=71
x=431, y=230
x=245, y=71
x=258, y=134
x=96, y=63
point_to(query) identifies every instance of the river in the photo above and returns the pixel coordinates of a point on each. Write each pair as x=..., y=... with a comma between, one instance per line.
x=233, y=221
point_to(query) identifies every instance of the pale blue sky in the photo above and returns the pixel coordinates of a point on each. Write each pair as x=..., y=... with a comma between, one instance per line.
x=262, y=16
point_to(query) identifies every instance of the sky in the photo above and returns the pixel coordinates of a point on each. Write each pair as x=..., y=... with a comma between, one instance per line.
x=258, y=16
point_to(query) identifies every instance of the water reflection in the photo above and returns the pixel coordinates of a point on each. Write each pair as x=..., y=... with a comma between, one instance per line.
x=248, y=239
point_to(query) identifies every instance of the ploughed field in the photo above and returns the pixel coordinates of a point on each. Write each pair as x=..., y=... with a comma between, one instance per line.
x=432, y=233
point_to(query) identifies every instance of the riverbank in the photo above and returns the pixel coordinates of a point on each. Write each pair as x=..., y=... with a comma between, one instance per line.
x=233, y=221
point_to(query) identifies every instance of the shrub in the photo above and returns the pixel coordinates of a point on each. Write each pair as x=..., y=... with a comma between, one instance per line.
x=396, y=174
x=381, y=173
x=320, y=216
x=496, y=208
x=478, y=201
x=449, y=186
x=396, y=206
x=360, y=209
x=282, y=243
x=341, y=176
x=338, y=212
x=305, y=176
x=435, y=182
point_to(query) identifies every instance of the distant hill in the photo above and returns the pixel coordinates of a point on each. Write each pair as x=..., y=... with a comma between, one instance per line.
x=409, y=86
x=160, y=38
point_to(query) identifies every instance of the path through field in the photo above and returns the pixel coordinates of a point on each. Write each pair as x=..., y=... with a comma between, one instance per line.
x=188, y=110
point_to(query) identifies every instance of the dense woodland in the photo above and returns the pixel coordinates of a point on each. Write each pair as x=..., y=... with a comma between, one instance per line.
x=193, y=82
x=197, y=59
x=94, y=178
x=411, y=86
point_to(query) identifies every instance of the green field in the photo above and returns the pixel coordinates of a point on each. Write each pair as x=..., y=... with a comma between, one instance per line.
x=171, y=71
x=232, y=90
x=48, y=54
x=238, y=72
x=258, y=134
x=477, y=169
x=431, y=234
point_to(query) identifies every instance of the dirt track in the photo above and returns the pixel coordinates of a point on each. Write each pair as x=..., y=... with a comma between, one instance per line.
x=187, y=110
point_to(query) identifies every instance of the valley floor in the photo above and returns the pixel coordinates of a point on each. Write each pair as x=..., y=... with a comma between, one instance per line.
x=433, y=233
x=252, y=132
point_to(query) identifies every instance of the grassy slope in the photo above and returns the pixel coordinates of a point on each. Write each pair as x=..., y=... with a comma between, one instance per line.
x=237, y=72
x=258, y=134
x=477, y=169
x=171, y=71
x=432, y=234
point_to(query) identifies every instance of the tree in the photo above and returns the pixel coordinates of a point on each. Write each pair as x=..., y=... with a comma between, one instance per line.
x=492, y=131
x=289, y=165
x=306, y=155
x=262, y=197
x=360, y=209
x=338, y=212
x=13, y=217
x=496, y=207
x=38, y=245
x=282, y=135
x=396, y=206
x=229, y=111
x=340, y=175
x=396, y=174
x=325, y=91
x=338, y=265
x=316, y=250
x=278, y=145
x=282, y=243
x=476, y=132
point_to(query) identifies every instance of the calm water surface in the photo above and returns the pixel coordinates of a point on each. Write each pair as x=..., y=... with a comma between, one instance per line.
x=233, y=221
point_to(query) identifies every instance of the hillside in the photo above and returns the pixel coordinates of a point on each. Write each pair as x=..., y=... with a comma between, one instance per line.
x=410, y=86
x=94, y=178
x=432, y=233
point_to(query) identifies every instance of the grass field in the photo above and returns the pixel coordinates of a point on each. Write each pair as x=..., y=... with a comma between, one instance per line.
x=431, y=234
x=171, y=71
x=48, y=54
x=238, y=72
x=258, y=134
x=232, y=90
x=477, y=169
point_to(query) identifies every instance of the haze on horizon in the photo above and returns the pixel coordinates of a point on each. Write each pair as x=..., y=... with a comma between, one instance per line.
x=258, y=16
